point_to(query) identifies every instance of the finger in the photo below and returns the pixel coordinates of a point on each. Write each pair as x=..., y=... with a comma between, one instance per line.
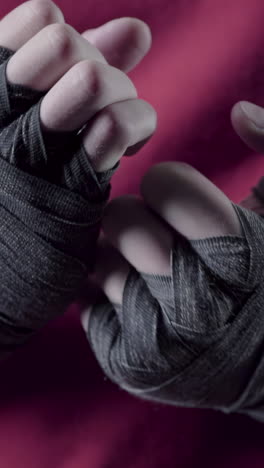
x=132, y=235
x=95, y=86
x=123, y=41
x=117, y=127
x=188, y=201
x=138, y=234
x=110, y=276
x=248, y=122
x=22, y=23
x=57, y=47
x=47, y=56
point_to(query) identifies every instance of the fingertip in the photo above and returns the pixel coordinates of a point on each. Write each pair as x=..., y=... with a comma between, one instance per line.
x=143, y=33
x=245, y=112
x=236, y=117
x=131, y=38
x=140, y=28
x=85, y=317
x=248, y=122
x=236, y=110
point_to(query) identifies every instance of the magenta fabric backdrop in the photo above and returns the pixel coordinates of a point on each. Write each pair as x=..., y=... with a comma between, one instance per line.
x=56, y=408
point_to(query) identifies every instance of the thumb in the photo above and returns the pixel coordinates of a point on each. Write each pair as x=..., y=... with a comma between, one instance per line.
x=248, y=122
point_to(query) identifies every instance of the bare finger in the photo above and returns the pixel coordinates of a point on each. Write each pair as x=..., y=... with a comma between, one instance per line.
x=116, y=128
x=47, y=56
x=138, y=234
x=188, y=201
x=248, y=122
x=123, y=41
x=26, y=20
x=95, y=86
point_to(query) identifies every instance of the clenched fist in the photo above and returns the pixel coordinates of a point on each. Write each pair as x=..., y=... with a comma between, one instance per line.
x=68, y=113
x=181, y=317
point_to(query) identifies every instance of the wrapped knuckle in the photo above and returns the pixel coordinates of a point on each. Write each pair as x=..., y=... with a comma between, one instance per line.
x=60, y=37
x=45, y=11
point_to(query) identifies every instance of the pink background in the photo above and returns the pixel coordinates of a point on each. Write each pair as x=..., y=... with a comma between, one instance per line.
x=57, y=409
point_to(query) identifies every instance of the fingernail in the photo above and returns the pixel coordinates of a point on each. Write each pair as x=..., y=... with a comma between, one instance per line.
x=84, y=318
x=253, y=113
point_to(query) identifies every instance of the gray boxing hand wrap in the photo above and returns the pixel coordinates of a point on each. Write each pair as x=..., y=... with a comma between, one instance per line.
x=194, y=338
x=51, y=204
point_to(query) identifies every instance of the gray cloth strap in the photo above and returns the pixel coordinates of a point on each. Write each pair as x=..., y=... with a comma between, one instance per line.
x=194, y=338
x=51, y=204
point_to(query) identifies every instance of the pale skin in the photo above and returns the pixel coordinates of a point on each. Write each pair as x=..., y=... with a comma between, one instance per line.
x=85, y=76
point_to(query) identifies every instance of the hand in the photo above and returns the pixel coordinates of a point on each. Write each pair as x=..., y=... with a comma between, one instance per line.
x=75, y=71
x=191, y=193
x=67, y=117
x=166, y=304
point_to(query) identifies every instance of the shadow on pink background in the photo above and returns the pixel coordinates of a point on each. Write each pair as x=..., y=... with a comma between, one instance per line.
x=57, y=410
